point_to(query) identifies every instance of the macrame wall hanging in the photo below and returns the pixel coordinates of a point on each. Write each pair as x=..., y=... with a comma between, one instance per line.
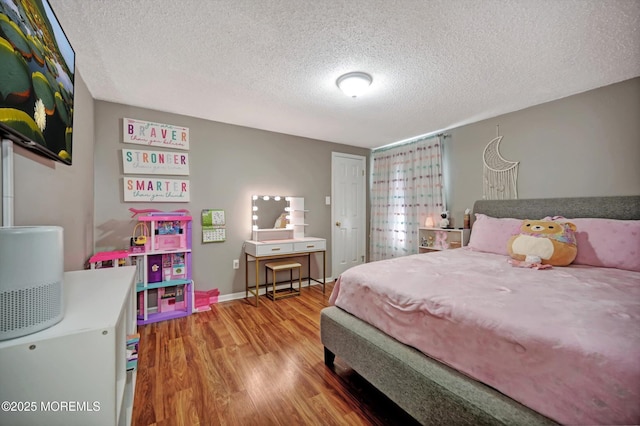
x=500, y=177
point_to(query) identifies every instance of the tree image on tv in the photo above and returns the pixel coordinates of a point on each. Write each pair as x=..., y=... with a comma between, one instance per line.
x=36, y=77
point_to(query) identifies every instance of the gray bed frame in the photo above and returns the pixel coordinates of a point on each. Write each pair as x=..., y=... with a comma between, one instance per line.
x=431, y=392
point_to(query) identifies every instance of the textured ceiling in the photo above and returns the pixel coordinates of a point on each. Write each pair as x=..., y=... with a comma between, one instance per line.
x=272, y=64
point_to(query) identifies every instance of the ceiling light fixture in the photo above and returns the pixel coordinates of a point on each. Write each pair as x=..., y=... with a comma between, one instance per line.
x=354, y=83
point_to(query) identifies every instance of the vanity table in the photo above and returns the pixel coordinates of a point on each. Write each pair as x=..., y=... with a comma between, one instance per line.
x=259, y=251
x=281, y=243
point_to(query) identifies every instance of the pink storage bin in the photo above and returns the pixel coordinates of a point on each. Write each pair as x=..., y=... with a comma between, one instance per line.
x=167, y=305
x=170, y=242
x=172, y=299
x=204, y=299
x=136, y=249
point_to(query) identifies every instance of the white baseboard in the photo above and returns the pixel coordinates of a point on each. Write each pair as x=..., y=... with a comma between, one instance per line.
x=261, y=291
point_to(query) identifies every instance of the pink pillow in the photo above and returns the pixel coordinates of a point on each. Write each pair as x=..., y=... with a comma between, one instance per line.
x=607, y=243
x=491, y=235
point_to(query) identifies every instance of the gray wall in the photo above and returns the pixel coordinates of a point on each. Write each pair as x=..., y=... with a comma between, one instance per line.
x=583, y=145
x=51, y=193
x=587, y=144
x=228, y=165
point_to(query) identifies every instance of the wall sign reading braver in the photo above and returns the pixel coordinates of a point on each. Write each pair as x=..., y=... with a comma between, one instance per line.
x=155, y=134
x=147, y=189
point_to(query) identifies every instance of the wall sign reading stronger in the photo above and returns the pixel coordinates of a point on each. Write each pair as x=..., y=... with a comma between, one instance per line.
x=147, y=189
x=138, y=161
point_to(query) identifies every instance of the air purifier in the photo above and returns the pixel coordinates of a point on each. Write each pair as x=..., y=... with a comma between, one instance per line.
x=31, y=275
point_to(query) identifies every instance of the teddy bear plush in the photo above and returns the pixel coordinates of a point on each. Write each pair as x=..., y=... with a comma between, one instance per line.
x=544, y=242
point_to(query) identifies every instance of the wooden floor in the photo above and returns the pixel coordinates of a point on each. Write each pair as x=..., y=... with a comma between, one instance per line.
x=242, y=365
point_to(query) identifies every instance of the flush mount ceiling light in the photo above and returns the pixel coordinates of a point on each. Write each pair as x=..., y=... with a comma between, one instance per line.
x=354, y=83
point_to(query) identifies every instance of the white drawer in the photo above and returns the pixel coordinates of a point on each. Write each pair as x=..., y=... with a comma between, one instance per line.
x=310, y=246
x=276, y=248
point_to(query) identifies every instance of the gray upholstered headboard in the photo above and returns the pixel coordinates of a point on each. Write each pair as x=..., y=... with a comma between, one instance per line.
x=614, y=207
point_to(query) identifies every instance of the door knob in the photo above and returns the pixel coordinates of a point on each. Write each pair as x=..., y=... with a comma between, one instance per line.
x=338, y=224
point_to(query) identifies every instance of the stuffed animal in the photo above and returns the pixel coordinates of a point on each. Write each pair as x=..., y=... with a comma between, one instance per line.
x=281, y=221
x=444, y=222
x=544, y=242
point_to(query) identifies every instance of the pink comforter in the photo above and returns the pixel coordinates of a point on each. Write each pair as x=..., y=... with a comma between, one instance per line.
x=564, y=341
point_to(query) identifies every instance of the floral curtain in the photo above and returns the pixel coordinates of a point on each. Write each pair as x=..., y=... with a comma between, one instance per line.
x=406, y=188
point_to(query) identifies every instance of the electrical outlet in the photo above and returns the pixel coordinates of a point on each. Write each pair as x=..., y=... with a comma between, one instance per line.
x=236, y=264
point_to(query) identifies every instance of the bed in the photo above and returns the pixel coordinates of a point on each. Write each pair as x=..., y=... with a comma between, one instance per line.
x=545, y=347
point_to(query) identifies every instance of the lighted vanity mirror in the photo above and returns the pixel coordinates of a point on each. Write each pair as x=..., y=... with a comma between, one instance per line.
x=270, y=212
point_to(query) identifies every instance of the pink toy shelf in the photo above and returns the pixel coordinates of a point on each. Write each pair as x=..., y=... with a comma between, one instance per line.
x=164, y=282
x=107, y=259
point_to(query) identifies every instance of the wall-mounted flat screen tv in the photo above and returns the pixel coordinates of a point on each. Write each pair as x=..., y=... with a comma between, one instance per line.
x=37, y=66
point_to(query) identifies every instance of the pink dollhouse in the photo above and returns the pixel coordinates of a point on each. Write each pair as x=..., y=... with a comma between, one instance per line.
x=164, y=280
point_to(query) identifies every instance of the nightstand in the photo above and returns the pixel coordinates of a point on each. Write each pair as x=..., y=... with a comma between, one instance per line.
x=436, y=239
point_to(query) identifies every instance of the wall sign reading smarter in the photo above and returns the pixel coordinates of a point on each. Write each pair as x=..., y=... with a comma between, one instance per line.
x=155, y=189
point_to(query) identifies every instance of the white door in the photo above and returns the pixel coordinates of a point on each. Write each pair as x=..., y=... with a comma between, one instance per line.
x=348, y=215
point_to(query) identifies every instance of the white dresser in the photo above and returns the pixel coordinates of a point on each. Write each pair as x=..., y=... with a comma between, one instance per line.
x=75, y=372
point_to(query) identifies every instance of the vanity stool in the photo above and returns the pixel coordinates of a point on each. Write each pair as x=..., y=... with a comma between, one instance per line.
x=282, y=266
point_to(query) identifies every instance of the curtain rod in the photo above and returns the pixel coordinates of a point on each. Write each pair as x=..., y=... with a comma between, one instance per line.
x=414, y=140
